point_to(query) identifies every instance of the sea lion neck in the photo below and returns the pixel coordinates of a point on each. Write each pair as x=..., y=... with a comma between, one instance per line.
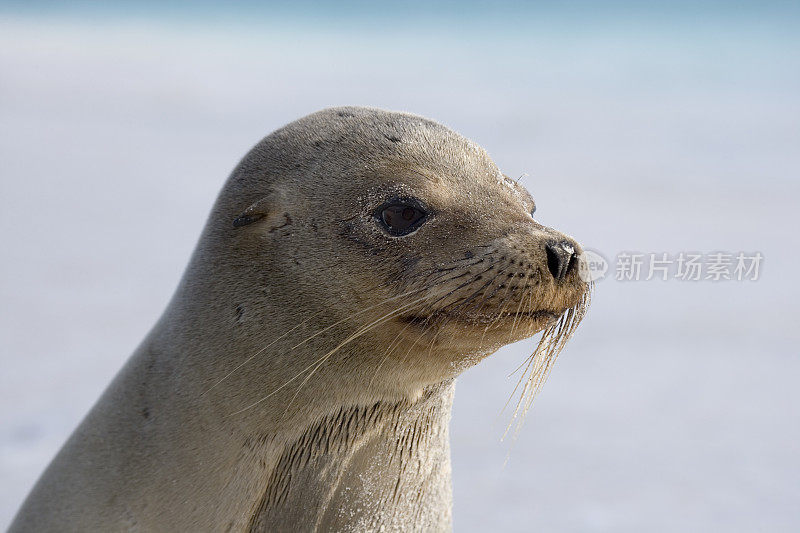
x=347, y=467
x=364, y=467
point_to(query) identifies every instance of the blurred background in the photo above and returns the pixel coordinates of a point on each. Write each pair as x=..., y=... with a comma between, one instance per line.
x=656, y=127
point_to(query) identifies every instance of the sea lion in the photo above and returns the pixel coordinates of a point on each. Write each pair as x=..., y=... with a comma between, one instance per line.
x=301, y=377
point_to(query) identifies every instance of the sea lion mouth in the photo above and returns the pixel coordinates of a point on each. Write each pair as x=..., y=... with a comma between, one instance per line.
x=482, y=318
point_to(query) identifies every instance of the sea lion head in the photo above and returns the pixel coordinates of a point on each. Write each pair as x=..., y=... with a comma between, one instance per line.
x=397, y=241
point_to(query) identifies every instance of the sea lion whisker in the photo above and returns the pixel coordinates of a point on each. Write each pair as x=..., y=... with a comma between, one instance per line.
x=461, y=303
x=507, y=299
x=543, y=358
x=427, y=324
x=483, y=303
x=516, y=318
x=530, y=297
x=392, y=346
x=259, y=352
x=540, y=359
x=526, y=364
x=349, y=317
x=362, y=311
x=462, y=285
x=534, y=363
x=459, y=276
x=378, y=321
x=473, y=262
x=459, y=264
x=461, y=260
x=538, y=380
x=432, y=273
x=250, y=358
x=503, y=304
x=354, y=336
x=438, y=332
x=316, y=364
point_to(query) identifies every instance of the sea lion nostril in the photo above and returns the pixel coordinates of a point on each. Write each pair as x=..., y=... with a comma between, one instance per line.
x=573, y=260
x=561, y=258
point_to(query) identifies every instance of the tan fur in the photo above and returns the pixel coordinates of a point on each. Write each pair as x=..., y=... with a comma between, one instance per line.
x=302, y=375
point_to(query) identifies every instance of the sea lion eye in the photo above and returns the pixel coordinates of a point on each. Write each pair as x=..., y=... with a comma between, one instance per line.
x=401, y=217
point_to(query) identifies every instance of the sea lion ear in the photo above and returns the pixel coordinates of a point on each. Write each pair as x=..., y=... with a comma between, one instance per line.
x=254, y=213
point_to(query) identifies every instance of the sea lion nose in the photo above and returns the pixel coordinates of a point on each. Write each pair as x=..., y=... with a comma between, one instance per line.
x=561, y=258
